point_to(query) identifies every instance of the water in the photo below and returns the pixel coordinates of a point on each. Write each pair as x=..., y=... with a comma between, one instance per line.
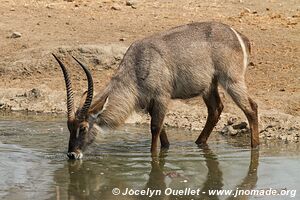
x=33, y=165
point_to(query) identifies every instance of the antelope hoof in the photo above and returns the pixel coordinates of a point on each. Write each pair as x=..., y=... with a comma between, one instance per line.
x=255, y=146
x=154, y=154
x=74, y=156
x=165, y=147
x=202, y=145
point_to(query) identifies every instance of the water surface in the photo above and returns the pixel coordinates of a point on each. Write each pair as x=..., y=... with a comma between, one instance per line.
x=33, y=164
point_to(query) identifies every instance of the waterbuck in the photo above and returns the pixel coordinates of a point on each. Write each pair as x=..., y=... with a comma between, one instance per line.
x=183, y=62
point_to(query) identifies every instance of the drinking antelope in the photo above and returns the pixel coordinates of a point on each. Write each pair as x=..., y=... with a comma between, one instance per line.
x=183, y=62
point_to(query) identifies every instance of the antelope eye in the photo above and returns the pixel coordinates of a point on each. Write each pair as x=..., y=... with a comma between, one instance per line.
x=82, y=129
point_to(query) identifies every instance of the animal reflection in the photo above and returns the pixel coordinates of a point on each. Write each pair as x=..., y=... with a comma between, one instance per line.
x=214, y=178
x=87, y=182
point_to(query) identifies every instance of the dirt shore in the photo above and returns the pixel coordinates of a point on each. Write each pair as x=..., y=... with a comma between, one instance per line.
x=99, y=32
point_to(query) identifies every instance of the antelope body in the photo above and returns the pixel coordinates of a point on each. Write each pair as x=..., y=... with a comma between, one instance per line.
x=184, y=62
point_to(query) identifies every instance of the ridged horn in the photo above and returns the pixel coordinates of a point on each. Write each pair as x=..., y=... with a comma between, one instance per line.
x=70, y=98
x=90, y=91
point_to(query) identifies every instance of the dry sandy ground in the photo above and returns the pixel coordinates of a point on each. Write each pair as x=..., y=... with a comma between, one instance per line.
x=99, y=32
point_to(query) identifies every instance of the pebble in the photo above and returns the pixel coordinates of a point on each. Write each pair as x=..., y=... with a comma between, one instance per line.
x=231, y=120
x=231, y=131
x=49, y=6
x=1, y=104
x=228, y=130
x=34, y=93
x=131, y=3
x=16, y=35
x=241, y=125
x=251, y=64
x=116, y=7
x=246, y=10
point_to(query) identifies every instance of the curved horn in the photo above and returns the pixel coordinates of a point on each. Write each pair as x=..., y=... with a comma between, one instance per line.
x=90, y=91
x=70, y=98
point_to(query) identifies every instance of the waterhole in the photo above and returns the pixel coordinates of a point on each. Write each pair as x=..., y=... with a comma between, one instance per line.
x=34, y=165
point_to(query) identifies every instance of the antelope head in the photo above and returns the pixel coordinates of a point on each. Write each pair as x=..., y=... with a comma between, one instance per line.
x=78, y=121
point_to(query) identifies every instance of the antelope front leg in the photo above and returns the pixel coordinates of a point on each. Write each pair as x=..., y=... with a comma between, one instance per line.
x=156, y=128
x=164, y=142
x=157, y=112
x=155, y=131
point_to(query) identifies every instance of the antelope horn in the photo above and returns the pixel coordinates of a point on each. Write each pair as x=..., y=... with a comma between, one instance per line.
x=70, y=98
x=90, y=91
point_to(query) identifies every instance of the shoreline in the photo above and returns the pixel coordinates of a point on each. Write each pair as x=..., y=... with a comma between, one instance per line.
x=273, y=124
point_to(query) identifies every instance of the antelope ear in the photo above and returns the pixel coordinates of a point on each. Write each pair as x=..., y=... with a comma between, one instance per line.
x=100, y=107
x=105, y=104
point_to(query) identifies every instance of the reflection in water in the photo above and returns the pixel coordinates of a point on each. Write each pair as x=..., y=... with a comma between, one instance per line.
x=33, y=164
x=87, y=182
x=249, y=182
x=157, y=176
x=214, y=180
x=83, y=182
x=214, y=176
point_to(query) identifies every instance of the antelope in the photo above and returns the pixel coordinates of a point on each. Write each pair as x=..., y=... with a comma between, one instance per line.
x=184, y=62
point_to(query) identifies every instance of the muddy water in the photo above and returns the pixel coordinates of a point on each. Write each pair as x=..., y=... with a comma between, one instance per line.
x=33, y=165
